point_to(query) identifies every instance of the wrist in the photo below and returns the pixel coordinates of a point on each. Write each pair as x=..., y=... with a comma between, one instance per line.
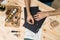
x=28, y=13
x=47, y=14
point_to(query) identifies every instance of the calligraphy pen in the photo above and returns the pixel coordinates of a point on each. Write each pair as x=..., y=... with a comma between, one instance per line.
x=2, y=7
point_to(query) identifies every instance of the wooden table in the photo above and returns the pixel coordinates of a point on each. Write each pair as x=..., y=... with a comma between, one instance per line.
x=21, y=3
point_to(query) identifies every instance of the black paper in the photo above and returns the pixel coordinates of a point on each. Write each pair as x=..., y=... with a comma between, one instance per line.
x=37, y=24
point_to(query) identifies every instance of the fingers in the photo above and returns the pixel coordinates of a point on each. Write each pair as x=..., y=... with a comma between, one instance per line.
x=31, y=21
x=36, y=15
x=37, y=19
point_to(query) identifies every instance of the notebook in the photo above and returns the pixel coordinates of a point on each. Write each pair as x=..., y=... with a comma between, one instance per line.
x=37, y=24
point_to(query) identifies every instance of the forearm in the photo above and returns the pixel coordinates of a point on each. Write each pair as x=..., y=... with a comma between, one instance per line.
x=27, y=3
x=52, y=13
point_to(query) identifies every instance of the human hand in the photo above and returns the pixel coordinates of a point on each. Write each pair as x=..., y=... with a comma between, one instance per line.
x=40, y=15
x=30, y=19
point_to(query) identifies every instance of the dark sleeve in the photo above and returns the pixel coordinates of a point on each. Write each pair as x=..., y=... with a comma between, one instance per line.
x=46, y=1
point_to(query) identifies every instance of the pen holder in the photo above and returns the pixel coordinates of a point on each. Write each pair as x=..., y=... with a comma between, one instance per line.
x=13, y=16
